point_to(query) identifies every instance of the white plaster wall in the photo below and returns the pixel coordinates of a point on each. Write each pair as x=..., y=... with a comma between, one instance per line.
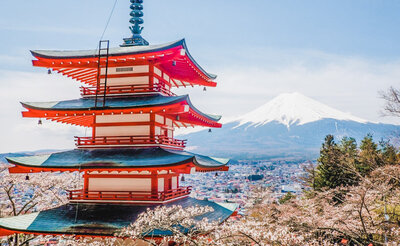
x=157, y=130
x=174, y=183
x=122, y=118
x=160, y=184
x=103, y=131
x=141, y=80
x=119, y=184
x=166, y=77
x=169, y=122
x=157, y=71
x=159, y=118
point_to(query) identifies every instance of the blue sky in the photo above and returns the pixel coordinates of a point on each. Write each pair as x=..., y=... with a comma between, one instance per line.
x=338, y=52
x=352, y=28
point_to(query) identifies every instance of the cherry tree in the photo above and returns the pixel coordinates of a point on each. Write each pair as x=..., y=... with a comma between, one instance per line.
x=22, y=194
x=363, y=214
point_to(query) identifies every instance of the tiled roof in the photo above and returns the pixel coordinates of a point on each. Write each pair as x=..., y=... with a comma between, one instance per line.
x=99, y=219
x=112, y=158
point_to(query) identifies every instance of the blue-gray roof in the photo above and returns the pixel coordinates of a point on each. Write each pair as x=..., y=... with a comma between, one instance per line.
x=117, y=158
x=117, y=103
x=117, y=51
x=100, y=219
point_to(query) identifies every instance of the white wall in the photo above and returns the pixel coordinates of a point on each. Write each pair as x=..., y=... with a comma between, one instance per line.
x=142, y=80
x=157, y=71
x=161, y=184
x=169, y=122
x=123, y=118
x=119, y=184
x=159, y=118
x=103, y=131
x=174, y=183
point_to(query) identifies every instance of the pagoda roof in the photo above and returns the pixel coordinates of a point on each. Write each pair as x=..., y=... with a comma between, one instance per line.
x=84, y=108
x=121, y=159
x=186, y=69
x=85, y=219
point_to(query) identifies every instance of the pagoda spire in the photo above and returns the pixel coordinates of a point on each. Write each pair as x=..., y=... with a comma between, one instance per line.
x=136, y=28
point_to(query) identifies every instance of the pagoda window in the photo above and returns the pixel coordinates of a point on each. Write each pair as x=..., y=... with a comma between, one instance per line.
x=126, y=70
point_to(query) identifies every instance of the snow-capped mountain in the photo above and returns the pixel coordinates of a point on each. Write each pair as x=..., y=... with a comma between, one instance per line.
x=293, y=109
x=289, y=126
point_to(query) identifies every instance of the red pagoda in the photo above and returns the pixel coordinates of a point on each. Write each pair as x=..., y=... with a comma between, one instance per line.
x=132, y=160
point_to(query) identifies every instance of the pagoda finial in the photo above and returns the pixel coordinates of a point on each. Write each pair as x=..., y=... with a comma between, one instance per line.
x=136, y=20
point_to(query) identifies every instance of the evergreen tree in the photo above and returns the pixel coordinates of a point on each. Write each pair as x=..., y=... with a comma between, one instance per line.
x=344, y=164
x=349, y=160
x=369, y=157
x=389, y=153
x=327, y=170
x=334, y=164
x=348, y=148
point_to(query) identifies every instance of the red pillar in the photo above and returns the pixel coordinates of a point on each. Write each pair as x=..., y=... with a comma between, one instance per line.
x=154, y=184
x=85, y=183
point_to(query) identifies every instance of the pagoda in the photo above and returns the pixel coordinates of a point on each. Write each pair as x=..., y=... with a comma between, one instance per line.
x=132, y=160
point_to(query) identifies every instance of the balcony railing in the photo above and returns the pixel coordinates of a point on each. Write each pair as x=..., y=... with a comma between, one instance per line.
x=76, y=195
x=129, y=141
x=126, y=89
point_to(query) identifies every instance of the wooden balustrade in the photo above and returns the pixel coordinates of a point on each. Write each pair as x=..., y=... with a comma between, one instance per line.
x=126, y=89
x=130, y=140
x=129, y=195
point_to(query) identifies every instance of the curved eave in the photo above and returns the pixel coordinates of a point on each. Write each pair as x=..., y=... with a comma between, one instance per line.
x=209, y=75
x=120, y=160
x=81, y=112
x=66, y=62
x=183, y=166
x=211, y=117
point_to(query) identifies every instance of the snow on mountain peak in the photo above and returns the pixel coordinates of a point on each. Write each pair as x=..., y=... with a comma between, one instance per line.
x=293, y=109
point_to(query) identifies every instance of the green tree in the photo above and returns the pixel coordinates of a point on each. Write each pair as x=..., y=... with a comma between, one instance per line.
x=334, y=164
x=369, y=156
x=389, y=153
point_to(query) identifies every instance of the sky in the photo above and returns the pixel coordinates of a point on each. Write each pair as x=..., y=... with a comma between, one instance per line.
x=339, y=52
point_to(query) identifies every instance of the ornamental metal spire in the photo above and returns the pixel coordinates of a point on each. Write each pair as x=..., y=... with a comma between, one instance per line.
x=136, y=20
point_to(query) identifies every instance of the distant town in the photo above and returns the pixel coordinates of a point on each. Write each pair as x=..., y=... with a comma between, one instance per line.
x=234, y=186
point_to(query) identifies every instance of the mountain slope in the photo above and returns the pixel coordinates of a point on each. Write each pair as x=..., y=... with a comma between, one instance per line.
x=294, y=109
x=289, y=126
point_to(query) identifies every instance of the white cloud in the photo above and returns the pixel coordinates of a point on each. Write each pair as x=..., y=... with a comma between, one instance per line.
x=22, y=134
x=345, y=83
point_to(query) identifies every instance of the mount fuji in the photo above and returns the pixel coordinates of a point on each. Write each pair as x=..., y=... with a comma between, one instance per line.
x=290, y=126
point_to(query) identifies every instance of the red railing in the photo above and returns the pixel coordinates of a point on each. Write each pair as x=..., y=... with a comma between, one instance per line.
x=129, y=195
x=130, y=140
x=126, y=89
